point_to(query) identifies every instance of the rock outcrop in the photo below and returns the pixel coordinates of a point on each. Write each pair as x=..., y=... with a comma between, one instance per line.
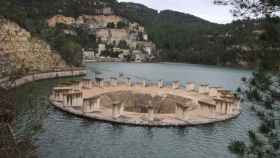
x=24, y=52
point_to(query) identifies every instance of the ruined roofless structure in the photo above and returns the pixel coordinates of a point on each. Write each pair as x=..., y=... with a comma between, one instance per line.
x=146, y=104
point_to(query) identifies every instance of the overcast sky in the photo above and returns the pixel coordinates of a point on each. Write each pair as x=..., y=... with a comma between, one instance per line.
x=201, y=8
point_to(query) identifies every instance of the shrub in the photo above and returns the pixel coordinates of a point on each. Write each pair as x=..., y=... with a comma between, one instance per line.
x=111, y=25
x=121, y=24
x=237, y=147
x=123, y=44
x=71, y=51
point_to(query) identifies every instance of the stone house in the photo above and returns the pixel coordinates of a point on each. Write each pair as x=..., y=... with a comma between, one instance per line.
x=112, y=35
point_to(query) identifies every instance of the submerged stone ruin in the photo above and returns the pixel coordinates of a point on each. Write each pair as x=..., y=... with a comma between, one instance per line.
x=146, y=104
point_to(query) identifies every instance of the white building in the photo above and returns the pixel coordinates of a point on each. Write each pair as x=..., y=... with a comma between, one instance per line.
x=101, y=48
x=88, y=54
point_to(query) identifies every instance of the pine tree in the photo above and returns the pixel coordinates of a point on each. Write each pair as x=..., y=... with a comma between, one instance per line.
x=263, y=88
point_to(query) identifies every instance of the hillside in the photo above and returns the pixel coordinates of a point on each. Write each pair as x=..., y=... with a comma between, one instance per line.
x=24, y=53
x=179, y=37
x=186, y=38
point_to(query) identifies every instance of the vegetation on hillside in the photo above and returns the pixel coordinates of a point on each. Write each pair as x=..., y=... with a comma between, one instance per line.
x=186, y=38
x=263, y=88
x=32, y=15
x=180, y=37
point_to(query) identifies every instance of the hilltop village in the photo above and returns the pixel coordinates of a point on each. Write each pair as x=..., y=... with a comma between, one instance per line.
x=117, y=38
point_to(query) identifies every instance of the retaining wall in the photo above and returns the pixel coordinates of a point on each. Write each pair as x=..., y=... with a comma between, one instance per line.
x=5, y=83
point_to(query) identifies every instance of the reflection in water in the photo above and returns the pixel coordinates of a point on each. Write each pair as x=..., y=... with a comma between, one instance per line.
x=66, y=136
x=181, y=132
x=149, y=132
x=116, y=130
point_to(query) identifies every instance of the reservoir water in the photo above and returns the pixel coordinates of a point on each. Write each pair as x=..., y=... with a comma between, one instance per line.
x=60, y=135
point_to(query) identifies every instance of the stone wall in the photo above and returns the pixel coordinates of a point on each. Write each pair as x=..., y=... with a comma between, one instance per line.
x=41, y=76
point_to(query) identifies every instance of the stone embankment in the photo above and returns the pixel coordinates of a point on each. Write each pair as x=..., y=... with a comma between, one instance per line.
x=8, y=83
x=146, y=104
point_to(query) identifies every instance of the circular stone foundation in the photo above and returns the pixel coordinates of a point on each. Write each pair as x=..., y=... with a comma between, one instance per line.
x=145, y=105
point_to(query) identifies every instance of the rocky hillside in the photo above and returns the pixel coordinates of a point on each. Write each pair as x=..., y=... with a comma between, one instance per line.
x=20, y=51
x=103, y=28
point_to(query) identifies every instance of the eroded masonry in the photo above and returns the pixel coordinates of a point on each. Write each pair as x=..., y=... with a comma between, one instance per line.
x=146, y=104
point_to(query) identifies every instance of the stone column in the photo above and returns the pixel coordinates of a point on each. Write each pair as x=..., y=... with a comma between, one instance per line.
x=116, y=109
x=224, y=107
x=238, y=106
x=122, y=108
x=179, y=112
x=80, y=100
x=160, y=84
x=185, y=113
x=230, y=107
x=190, y=86
x=175, y=84
x=213, y=92
x=54, y=94
x=144, y=83
x=85, y=107
x=101, y=84
x=77, y=99
x=74, y=100
x=70, y=100
x=201, y=89
x=90, y=84
x=129, y=83
x=206, y=89
x=114, y=82
x=213, y=111
x=65, y=100
x=151, y=113
x=218, y=107
x=97, y=104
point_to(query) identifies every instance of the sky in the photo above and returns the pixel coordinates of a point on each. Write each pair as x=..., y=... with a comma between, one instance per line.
x=201, y=8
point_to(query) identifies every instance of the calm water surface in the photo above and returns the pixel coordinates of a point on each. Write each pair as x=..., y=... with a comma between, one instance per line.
x=60, y=135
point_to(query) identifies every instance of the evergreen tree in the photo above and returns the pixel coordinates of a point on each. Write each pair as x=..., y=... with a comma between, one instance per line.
x=263, y=89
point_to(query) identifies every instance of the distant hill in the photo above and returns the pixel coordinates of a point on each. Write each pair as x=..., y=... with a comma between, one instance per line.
x=180, y=37
x=186, y=38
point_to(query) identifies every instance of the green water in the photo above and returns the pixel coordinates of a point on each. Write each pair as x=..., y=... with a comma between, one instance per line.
x=60, y=135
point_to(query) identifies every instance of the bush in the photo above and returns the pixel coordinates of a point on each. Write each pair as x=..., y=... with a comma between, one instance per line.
x=264, y=128
x=111, y=25
x=237, y=147
x=123, y=44
x=71, y=51
x=121, y=25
